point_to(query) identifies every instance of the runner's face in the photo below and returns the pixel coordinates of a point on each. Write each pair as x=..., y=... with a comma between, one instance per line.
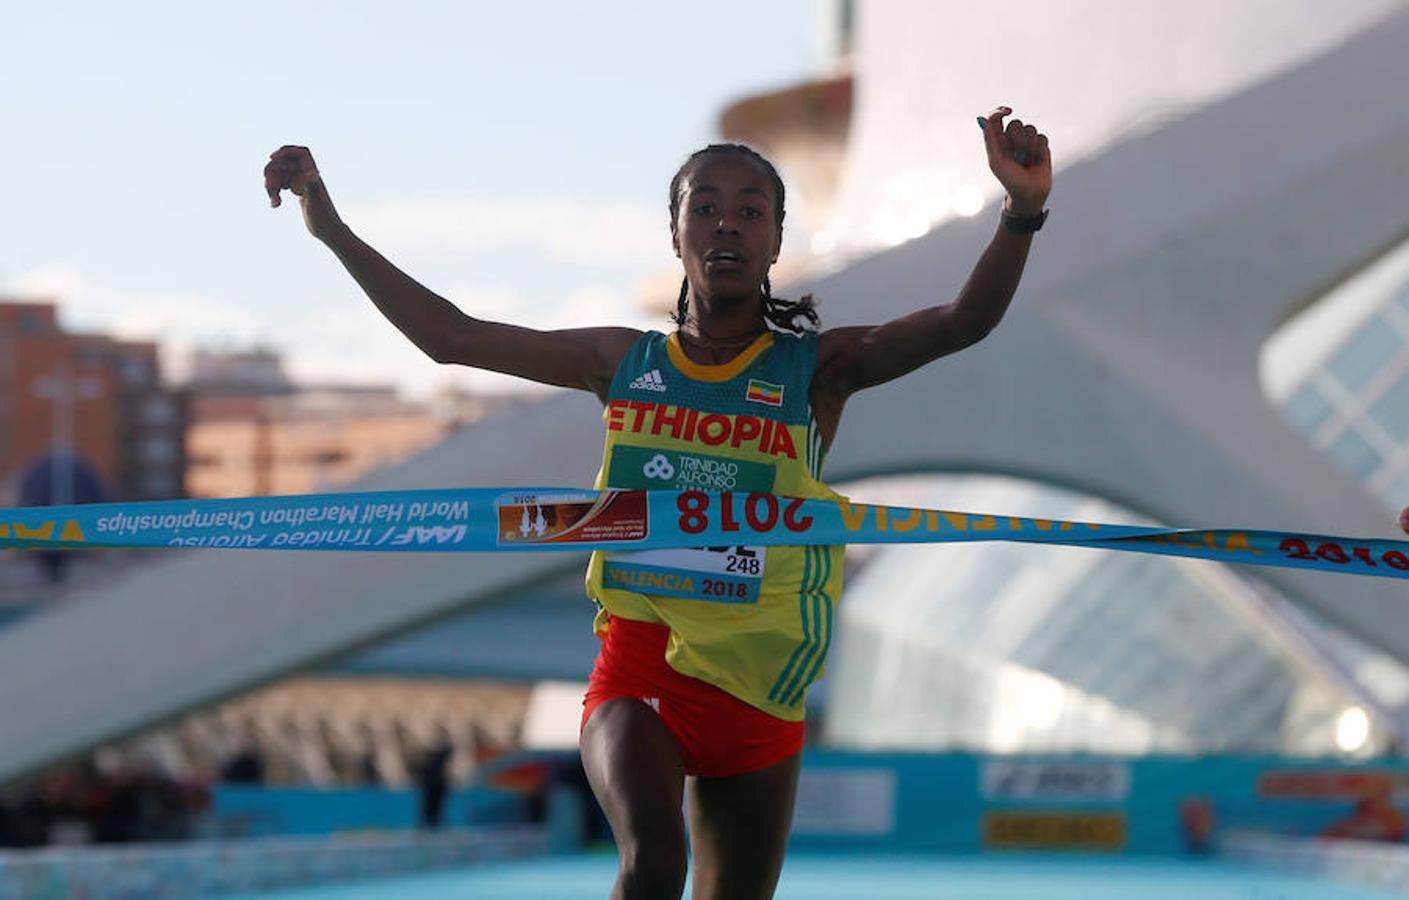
x=725, y=232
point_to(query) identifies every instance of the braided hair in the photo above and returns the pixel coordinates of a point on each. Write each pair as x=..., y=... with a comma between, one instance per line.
x=796, y=316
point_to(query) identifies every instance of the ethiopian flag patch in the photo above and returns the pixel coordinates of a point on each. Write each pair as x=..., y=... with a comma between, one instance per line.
x=765, y=393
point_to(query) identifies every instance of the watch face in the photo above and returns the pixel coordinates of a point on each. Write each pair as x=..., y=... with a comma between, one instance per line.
x=1022, y=225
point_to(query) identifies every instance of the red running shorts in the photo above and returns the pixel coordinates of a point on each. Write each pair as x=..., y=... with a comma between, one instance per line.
x=719, y=734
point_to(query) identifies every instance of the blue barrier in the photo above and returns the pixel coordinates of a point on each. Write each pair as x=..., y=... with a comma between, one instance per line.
x=269, y=811
x=950, y=803
x=963, y=803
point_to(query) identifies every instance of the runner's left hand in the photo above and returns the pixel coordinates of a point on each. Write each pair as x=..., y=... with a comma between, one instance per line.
x=1019, y=159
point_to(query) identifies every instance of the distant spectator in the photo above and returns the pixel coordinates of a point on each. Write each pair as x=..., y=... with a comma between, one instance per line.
x=32, y=817
x=1404, y=519
x=111, y=804
x=370, y=772
x=245, y=767
x=59, y=479
x=116, y=807
x=61, y=791
x=1196, y=824
x=433, y=780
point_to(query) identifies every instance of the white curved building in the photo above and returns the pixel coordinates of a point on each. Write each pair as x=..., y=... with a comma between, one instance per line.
x=1219, y=174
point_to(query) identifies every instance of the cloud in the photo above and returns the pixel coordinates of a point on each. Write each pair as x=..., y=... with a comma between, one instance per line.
x=170, y=317
x=568, y=229
x=598, y=305
x=53, y=281
x=187, y=319
x=590, y=305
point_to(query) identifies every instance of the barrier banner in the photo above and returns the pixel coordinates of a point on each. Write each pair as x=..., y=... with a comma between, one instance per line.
x=515, y=519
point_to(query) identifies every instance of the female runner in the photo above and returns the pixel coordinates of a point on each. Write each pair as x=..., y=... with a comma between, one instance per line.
x=707, y=654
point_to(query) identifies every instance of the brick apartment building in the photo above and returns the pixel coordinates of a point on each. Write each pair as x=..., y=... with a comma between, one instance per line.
x=99, y=397
x=240, y=426
x=253, y=431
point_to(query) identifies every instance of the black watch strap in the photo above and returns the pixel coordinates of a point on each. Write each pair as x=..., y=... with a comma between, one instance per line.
x=1023, y=224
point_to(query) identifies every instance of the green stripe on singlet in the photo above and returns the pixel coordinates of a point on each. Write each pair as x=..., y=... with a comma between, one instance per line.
x=808, y=571
x=826, y=647
x=811, y=465
x=814, y=449
x=821, y=637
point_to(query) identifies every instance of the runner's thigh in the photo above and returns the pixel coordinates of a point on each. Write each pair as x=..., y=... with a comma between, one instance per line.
x=739, y=831
x=637, y=772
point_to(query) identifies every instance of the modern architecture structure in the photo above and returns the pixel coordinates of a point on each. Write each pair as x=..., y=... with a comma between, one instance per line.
x=1220, y=174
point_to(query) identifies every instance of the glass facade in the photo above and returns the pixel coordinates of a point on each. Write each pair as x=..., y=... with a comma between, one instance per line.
x=1002, y=648
x=1012, y=648
x=1346, y=389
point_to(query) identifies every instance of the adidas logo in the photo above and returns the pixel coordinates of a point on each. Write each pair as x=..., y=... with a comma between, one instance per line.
x=651, y=381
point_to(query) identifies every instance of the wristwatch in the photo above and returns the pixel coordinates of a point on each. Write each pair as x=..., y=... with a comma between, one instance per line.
x=1023, y=224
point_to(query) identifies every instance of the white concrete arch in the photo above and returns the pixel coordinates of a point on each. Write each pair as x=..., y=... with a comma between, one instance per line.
x=1128, y=365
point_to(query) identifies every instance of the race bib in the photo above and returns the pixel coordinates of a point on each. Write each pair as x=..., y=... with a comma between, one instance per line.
x=712, y=574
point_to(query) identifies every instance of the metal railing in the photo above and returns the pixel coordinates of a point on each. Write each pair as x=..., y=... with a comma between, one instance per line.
x=205, y=868
x=1385, y=866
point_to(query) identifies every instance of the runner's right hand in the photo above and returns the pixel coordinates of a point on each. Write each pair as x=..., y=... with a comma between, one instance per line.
x=292, y=168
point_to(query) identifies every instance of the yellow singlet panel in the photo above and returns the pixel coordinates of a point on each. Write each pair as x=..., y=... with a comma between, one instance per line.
x=754, y=621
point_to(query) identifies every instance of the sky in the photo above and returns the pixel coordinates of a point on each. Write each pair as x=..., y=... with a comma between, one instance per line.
x=512, y=156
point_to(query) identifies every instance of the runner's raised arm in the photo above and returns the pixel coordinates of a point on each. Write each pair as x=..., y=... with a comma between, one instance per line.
x=857, y=357
x=582, y=358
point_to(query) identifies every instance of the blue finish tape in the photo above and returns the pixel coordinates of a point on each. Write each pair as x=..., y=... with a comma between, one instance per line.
x=517, y=519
